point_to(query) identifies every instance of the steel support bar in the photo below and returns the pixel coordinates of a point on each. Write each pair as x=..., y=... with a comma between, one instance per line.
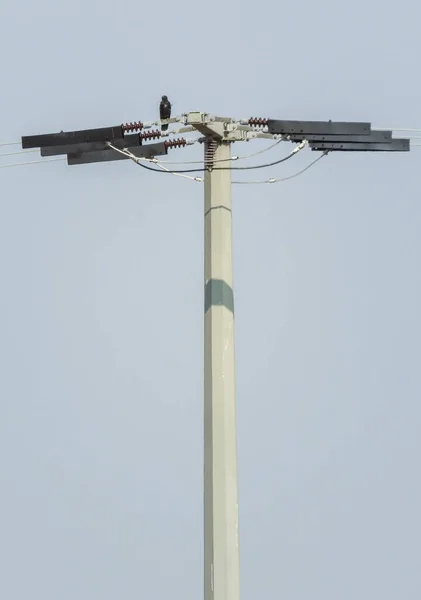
x=374, y=137
x=319, y=127
x=130, y=140
x=73, y=137
x=146, y=151
x=395, y=145
x=221, y=546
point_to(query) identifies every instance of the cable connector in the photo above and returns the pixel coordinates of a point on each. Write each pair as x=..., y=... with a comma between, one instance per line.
x=300, y=146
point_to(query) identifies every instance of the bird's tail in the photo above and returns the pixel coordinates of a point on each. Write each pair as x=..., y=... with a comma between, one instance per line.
x=164, y=127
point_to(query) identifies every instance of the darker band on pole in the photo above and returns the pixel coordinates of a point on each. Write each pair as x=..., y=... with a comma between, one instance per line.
x=218, y=293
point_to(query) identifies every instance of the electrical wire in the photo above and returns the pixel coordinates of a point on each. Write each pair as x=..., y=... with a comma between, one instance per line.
x=396, y=129
x=280, y=179
x=276, y=162
x=125, y=152
x=20, y=152
x=180, y=172
x=138, y=161
x=232, y=158
x=199, y=179
x=33, y=162
x=272, y=180
x=202, y=170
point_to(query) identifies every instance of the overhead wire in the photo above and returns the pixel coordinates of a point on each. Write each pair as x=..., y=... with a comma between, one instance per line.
x=184, y=129
x=396, y=129
x=33, y=162
x=232, y=158
x=200, y=179
x=20, y=152
x=135, y=159
x=280, y=179
x=271, y=180
x=138, y=161
x=276, y=162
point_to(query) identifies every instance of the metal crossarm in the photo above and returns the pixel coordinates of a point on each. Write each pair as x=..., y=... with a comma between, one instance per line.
x=146, y=151
x=372, y=137
x=394, y=145
x=318, y=127
x=131, y=140
x=83, y=136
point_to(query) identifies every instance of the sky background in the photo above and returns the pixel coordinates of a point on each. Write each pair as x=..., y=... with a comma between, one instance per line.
x=101, y=307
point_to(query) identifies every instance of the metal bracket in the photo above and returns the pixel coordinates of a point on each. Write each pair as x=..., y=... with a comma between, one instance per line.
x=146, y=151
x=394, y=145
x=219, y=128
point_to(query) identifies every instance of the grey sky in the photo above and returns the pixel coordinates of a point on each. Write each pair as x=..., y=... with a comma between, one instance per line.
x=102, y=308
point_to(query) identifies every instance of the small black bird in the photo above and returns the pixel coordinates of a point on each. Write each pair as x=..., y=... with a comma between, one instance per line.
x=164, y=111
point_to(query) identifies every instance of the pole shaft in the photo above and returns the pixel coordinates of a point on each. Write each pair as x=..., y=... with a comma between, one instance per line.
x=221, y=547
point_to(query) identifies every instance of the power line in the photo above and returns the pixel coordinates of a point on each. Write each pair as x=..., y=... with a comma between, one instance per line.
x=200, y=179
x=182, y=171
x=396, y=129
x=137, y=159
x=232, y=158
x=203, y=169
x=33, y=162
x=20, y=152
x=271, y=180
x=278, y=180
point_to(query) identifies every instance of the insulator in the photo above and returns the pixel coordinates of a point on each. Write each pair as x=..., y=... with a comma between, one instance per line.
x=178, y=143
x=258, y=121
x=149, y=135
x=127, y=127
x=210, y=148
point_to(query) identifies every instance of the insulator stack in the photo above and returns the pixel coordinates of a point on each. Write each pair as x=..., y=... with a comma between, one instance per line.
x=149, y=135
x=178, y=143
x=210, y=148
x=128, y=127
x=258, y=121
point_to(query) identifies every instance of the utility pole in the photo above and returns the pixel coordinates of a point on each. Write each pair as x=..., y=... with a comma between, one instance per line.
x=221, y=538
x=221, y=552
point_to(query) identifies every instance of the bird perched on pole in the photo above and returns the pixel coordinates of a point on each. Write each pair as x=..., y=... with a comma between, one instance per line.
x=164, y=111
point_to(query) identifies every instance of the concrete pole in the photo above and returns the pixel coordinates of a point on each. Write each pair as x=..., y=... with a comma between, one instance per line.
x=221, y=547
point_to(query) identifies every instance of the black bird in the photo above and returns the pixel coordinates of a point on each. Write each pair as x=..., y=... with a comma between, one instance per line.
x=164, y=111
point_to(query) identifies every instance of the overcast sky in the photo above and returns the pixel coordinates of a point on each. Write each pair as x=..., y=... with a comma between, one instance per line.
x=101, y=307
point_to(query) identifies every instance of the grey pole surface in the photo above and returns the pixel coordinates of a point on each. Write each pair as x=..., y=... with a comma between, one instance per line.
x=221, y=545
